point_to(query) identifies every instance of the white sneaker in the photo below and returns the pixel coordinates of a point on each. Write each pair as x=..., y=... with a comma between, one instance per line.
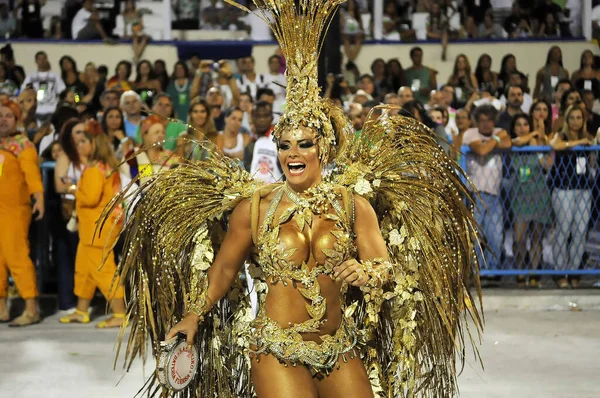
x=62, y=313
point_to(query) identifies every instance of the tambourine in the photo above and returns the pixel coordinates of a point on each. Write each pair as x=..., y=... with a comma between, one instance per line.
x=177, y=363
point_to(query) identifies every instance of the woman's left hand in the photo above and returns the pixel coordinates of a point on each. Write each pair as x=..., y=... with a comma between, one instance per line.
x=351, y=272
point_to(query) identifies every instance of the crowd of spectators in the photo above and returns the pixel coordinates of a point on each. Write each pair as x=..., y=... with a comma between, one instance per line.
x=64, y=112
x=404, y=20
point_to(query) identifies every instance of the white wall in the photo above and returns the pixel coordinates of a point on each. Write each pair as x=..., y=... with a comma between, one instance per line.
x=530, y=56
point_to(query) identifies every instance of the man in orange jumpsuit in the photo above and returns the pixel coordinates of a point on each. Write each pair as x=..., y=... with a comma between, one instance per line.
x=20, y=179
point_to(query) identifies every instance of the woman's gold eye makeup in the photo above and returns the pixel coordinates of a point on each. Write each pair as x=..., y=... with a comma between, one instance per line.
x=302, y=145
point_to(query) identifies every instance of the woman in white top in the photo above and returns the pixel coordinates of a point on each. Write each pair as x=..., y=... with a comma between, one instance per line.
x=234, y=142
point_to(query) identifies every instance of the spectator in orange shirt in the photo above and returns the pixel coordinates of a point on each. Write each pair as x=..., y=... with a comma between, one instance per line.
x=95, y=263
x=20, y=179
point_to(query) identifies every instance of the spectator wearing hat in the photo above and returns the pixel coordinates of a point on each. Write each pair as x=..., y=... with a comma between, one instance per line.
x=361, y=97
x=131, y=105
x=153, y=158
x=20, y=180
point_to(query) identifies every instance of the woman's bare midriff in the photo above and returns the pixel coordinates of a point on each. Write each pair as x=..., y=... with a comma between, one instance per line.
x=286, y=306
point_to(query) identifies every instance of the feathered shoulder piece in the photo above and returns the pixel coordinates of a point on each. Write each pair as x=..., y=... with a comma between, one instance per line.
x=419, y=195
x=175, y=225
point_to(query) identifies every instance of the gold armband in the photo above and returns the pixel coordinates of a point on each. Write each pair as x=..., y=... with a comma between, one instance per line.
x=198, y=302
x=377, y=270
x=199, y=305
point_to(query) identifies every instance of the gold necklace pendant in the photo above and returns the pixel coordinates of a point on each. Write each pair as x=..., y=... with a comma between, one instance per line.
x=315, y=202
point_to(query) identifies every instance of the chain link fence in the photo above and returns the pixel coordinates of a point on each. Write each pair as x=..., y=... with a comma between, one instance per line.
x=538, y=210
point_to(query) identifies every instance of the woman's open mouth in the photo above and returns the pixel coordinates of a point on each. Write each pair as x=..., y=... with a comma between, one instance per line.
x=296, y=168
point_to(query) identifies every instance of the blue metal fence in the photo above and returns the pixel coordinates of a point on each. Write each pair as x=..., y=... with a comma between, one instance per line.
x=538, y=210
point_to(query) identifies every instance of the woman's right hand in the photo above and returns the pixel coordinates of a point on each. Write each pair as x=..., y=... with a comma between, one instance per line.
x=188, y=326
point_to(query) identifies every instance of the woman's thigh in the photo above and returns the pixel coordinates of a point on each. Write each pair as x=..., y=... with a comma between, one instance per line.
x=350, y=380
x=272, y=379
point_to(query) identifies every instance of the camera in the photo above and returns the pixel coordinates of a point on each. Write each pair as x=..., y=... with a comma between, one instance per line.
x=217, y=65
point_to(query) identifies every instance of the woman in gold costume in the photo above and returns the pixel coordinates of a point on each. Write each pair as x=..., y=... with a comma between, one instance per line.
x=302, y=236
x=362, y=276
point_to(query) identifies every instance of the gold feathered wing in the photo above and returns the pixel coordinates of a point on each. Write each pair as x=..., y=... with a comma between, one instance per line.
x=419, y=195
x=174, y=227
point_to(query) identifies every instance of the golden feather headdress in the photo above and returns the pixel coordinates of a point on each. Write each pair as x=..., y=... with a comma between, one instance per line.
x=300, y=26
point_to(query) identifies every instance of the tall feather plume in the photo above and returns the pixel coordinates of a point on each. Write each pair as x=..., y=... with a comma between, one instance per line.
x=300, y=26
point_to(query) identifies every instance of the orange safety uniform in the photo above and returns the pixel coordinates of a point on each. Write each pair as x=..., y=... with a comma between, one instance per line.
x=97, y=187
x=20, y=177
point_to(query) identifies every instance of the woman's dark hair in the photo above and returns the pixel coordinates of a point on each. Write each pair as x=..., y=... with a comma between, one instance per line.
x=583, y=56
x=479, y=68
x=410, y=108
x=467, y=69
x=548, y=121
x=185, y=68
x=127, y=65
x=550, y=30
x=46, y=155
x=209, y=124
x=229, y=111
x=63, y=71
x=560, y=61
x=106, y=112
x=66, y=140
x=61, y=115
x=563, y=99
x=513, y=123
x=151, y=74
x=355, y=13
x=163, y=77
x=351, y=66
x=504, y=72
x=379, y=61
x=4, y=67
x=395, y=81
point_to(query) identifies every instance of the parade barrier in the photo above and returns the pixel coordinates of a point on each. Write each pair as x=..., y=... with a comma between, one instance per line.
x=538, y=209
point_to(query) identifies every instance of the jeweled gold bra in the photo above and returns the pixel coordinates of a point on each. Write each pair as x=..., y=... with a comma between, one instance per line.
x=273, y=260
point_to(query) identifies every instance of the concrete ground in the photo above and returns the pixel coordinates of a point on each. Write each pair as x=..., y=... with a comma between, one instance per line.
x=527, y=353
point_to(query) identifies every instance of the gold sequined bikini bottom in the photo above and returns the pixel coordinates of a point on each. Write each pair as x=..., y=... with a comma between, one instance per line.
x=288, y=346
